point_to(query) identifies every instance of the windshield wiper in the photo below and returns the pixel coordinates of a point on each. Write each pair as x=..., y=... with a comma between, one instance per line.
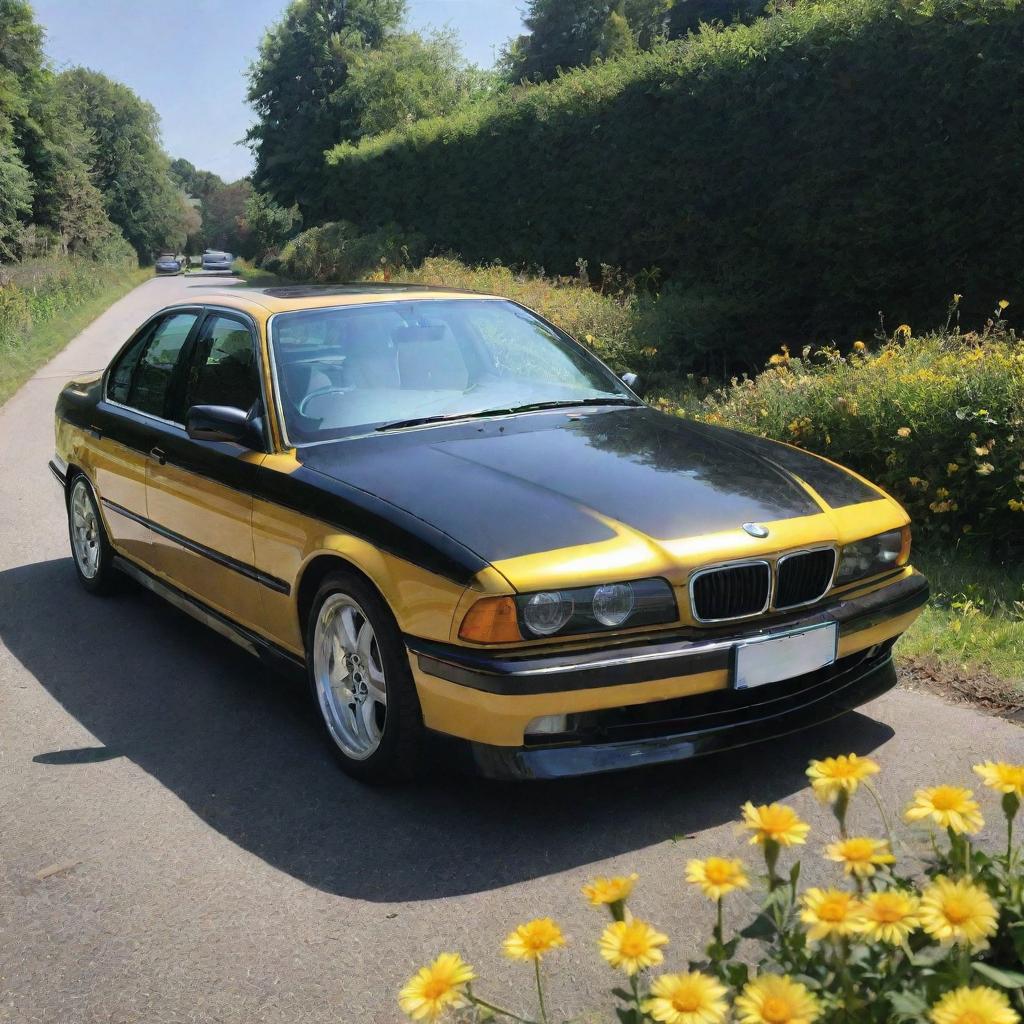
x=505, y=410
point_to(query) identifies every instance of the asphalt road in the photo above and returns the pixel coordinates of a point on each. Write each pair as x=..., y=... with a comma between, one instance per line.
x=204, y=860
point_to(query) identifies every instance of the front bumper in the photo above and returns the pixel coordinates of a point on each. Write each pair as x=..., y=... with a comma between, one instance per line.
x=654, y=701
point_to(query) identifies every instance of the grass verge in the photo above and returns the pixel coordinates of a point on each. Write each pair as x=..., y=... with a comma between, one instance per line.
x=974, y=624
x=45, y=340
x=256, y=277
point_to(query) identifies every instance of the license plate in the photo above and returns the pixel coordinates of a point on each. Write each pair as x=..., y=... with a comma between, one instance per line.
x=772, y=658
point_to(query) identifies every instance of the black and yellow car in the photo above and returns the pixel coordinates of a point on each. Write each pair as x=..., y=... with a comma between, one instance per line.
x=459, y=522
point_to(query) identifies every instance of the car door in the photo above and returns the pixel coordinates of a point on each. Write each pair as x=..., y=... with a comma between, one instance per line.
x=199, y=493
x=128, y=423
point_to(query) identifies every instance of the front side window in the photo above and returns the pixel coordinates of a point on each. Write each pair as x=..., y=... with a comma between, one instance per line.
x=223, y=369
x=142, y=377
x=346, y=370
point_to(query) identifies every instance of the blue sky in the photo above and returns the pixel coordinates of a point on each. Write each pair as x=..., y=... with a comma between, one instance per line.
x=189, y=57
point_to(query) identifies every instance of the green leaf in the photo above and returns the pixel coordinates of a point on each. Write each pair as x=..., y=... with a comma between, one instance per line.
x=907, y=1004
x=1000, y=975
x=622, y=994
x=762, y=927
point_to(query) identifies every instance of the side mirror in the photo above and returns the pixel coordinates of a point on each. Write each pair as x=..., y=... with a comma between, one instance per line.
x=631, y=380
x=220, y=423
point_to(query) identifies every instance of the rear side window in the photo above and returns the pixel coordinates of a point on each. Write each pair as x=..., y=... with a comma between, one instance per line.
x=142, y=377
x=223, y=369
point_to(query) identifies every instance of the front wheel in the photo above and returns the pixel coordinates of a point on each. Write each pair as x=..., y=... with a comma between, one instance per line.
x=93, y=555
x=361, y=682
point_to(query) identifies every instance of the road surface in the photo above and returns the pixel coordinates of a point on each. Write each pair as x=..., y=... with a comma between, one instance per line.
x=177, y=846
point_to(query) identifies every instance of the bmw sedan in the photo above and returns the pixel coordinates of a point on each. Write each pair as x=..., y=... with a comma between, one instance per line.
x=464, y=528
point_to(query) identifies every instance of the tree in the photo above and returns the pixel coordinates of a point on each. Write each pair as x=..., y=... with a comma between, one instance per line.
x=687, y=15
x=126, y=161
x=269, y=224
x=296, y=88
x=224, y=218
x=407, y=77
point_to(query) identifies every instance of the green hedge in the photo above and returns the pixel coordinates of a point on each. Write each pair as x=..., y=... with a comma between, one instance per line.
x=790, y=178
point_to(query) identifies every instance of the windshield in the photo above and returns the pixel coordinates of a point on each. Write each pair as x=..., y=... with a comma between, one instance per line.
x=385, y=365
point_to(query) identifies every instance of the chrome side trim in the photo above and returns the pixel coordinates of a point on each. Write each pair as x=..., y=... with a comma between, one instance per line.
x=769, y=590
x=183, y=604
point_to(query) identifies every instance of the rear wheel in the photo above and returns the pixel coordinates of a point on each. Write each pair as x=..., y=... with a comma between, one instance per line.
x=90, y=548
x=361, y=682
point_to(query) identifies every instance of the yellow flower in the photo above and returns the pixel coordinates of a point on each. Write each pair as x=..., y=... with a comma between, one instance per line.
x=830, y=913
x=951, y=468
x=1003, y=303
x=840, y=774
x=981, y=1005
x=692, y=998
x=602, y=891
x=985, y=468
x=959, y=912
x=890, y=916
x=433, y=989
x=532, y=940
x=859, y=346
x=776, y=999
x=957, y=297
x=860, y=855
x=948, y=807
x=717, y=876
x=903, y=432
x=1015, y=505
x=775, y=822
x=918, y=482
x=904, y=330
x=1002, y=777
x=632, y=945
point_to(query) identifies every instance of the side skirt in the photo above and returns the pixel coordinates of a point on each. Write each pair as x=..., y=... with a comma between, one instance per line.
x=269, y=653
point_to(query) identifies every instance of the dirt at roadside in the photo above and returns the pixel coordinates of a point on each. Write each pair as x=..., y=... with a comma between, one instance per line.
x=959, y=685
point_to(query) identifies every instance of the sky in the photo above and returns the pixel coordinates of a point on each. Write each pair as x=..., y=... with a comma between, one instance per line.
x=189, y=57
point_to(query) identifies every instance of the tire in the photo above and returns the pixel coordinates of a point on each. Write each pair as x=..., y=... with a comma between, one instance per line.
x=371, y=715
x=91, y=552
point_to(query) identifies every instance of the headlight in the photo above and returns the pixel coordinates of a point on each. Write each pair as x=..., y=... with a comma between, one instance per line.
x=874, y=555
x=594, y=609
x=493, y=620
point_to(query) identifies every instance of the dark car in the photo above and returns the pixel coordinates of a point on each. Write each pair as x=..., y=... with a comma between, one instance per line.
x=459, y=522
x=168, y=263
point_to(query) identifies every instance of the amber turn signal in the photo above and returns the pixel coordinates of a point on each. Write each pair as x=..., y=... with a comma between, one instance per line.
x=904, y=556
x=492, y=620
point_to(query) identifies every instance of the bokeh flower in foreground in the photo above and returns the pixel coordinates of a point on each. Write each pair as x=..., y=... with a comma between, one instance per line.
x=776, y=999
x=692, y=998
x=833, y=775
x=951, y=807
x=717, y=876
x=776, y=823
x=958, y=911
x=532, y=940
x=632, y=945
x=980, y=1005
x=436, y=988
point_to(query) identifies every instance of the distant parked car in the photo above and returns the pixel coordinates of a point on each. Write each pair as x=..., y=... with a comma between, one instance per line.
x=168, y=263
x=213, y=259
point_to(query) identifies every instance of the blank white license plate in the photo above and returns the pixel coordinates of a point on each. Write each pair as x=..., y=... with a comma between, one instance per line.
x=769, y=659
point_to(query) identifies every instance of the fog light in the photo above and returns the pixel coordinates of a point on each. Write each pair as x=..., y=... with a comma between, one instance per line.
x=547, y=613
x=547, y=725
x=613, y=604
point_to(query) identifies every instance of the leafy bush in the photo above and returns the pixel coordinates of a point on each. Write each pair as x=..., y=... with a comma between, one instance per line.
x=789, y=178
x=33, y=292
x=337, y=251
x=936, y=934
x=936, y=420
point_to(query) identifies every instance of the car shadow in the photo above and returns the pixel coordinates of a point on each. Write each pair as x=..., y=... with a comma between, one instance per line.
x=241, y=747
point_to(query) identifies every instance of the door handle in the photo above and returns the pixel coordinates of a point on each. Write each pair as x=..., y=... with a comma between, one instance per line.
x=159, y=454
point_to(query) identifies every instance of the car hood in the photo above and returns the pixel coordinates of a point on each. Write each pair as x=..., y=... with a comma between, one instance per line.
x=523, y=485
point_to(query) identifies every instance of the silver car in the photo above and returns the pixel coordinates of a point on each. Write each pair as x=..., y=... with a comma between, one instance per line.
x=214, y=259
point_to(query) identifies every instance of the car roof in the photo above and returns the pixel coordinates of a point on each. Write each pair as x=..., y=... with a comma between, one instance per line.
x=284, y=298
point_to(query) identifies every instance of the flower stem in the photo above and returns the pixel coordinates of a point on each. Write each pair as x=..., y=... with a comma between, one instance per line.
x=881, y=809
x=477, y=1001
x=636, y=997
x=718, y=926
x=540, y=991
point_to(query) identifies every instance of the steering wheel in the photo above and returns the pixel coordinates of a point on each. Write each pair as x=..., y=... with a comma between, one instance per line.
x=331, y=389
